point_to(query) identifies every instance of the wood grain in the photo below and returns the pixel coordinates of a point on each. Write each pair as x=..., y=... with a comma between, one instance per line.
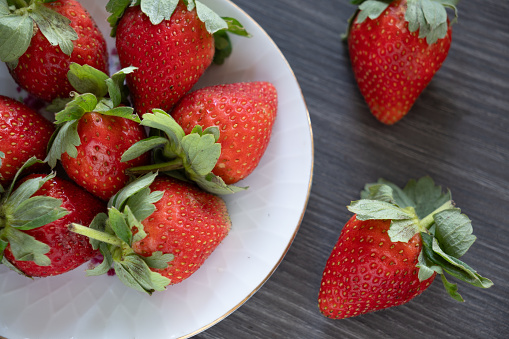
x=457, y=132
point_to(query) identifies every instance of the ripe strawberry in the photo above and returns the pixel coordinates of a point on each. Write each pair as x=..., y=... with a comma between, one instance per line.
x=243, y=112
x=159, y=227
x=24, y=133
x=170, y=45
x=45, y=247
x=395, y=50
x=47, y=37
x=93, y=133
x=218, y=135
x=393, y=247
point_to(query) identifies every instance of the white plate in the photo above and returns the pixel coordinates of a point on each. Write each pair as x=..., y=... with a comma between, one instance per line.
x=265, y=220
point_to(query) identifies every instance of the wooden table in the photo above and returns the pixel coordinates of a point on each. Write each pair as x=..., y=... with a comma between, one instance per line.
x=457, y=132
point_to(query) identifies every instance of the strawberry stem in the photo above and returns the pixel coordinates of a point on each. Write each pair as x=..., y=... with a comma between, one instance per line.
x=95, y=234
x=162, y=167
x=429, y=220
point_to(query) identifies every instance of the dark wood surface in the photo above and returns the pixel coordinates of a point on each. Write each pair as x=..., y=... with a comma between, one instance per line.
x=457, y=132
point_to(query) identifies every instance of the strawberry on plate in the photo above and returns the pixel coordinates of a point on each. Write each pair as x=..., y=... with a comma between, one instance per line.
x=390, y=251
x=232, y=122
x=158, y=232
x=94, y=129
x=45, y=37
x=24, y=133
x=396, y=47
x=171, y=45
x=34, y=238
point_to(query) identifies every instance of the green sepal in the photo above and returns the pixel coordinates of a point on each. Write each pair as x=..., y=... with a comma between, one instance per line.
x=423, y=207
x=452, y=289
x=17, y=20
x=190, y=157
x=36, y=212
x=25, y=247
x=114, y=234
x=222, y=43
x=87, y=79
x=450, y=264
x=371, y=9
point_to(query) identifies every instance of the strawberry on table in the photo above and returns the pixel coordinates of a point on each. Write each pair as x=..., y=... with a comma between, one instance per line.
x=45, y=37
x=24, y=133
x=158, y=232
x=34, y=238
x=240, y=116
x=171, y=44
x=396, y=47
x=94, y=129
x=393, y=247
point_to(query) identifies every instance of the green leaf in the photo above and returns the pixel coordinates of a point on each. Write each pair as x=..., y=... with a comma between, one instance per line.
x=142, y=203
x=164, y=122
x=55, y=27
x=105, y=265
x=398, y=195
x=24, y=247
x=158, y=260
x=134, y=272
x=235, y=27
x=452, y=289
x=119, y=199
x=143, y=146
x=99, y=224
x=87, y=79
x=65, y=141
x=25, y=191
x=452, y=265
x=202, y=153
x=123, y=112
x=15, y=36
x=213, y=184
x=36, y=212
x=429, y=17
x=117, y=89
x=404, y=230
x=372, y=9
x=117, y=9
x=426, y=196
x=213, y=22
x=158, y=10
x=119, y=225
x=378, y=210
x=454, y=232
x=77, y=107
x=379, y=192
x=426, y=269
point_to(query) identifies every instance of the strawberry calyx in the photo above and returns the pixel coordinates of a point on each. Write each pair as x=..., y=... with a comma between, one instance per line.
x=20, y=211
x=159, y=10
x=429, y=17
x=18, y=21
x=422, y=207
x=190, y=157
x=95, y=92
x=114, y=233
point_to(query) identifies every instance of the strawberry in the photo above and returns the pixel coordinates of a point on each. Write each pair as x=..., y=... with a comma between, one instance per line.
x=390, y=251
x=46, y=36
x=240, y=116
x=24, y=133
x=158, y=232
x=93, y=133
x=395, y=50
x=172, y=45
x=34, y=238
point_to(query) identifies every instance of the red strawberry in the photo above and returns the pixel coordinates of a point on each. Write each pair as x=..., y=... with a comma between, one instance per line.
x=24, y=133
x=243, y=112
x=176, y=228
x=104, y=139
x=395, y=51
x=49, y=249
x=392, y=248
x=217, y=137
x=36, y=62
x=170, y=45
x=93, y=133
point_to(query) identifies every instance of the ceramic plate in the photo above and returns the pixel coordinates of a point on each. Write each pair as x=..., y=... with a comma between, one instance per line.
x=265, y=220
